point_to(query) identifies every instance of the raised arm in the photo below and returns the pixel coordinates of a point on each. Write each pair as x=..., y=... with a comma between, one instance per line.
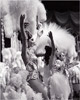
x=52, y=58
x=24, y=40
x=52, y=42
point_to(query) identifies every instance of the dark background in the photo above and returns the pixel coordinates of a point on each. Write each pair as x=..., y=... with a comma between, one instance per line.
x=61, y=6
x=65, y=9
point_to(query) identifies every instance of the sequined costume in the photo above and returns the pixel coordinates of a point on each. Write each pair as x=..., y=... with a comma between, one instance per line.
x=32, y=65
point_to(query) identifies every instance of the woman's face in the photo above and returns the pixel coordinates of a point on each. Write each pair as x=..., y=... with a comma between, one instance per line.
x=57, y=63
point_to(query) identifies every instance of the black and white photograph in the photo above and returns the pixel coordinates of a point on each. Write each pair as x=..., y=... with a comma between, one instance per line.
x=39, y=50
